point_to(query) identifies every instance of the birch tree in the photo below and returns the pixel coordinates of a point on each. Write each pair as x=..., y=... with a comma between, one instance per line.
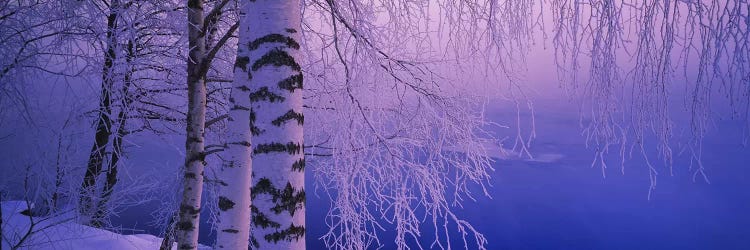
x=386, y=125
x=189, y=215
x=198, y=63
x=266, y=104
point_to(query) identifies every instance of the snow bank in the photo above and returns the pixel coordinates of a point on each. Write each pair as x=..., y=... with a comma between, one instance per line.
x=61, y=232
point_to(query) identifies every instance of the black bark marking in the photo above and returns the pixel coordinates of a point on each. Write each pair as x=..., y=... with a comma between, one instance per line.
x=225, y=203
x=195, y=4
x=291, y=83
x=293, y=233
x=242, y=62
x=263, y=94
x=193, y=139
x=189, y=175
x=199, y=156
x=243, y=88
x=254, y=242
x=289, y=200
x=264, y=186
x=290, y=148
x=184, y=209
x=290, y=30
x=252, y=116
x=289, y=115
x=185, y=226
x=299, y=165
x=240, y=143
x=276, y=57
x=273, y=38
x=262, y=220
x=254, y=130
x=234, y=231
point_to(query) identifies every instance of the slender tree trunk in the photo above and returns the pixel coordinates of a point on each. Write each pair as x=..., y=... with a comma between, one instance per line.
x=233, y=229
x=111, y=175
x=168, y=241
x=59, y=174
x=190, y=206
x=276, y=120
x=2, y=237
x=104, y=124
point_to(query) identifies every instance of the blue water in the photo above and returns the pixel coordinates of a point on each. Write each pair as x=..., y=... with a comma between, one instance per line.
x=567, y=204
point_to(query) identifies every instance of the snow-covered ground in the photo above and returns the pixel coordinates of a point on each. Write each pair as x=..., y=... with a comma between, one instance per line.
x=61, y=232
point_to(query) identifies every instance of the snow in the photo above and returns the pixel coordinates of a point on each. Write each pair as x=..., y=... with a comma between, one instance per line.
x=61, y=232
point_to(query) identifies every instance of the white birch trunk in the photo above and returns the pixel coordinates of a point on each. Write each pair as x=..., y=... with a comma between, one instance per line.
x=276, y=120
x=233, y=227
x=189, y=214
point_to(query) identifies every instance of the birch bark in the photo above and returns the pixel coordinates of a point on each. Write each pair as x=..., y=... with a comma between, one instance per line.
x=276, y=119
x=190, y=206
x=233, y=229
x=267, y=106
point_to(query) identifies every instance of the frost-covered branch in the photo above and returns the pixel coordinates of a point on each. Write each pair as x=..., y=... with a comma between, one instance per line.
x=399, y=141
x=632, y=53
